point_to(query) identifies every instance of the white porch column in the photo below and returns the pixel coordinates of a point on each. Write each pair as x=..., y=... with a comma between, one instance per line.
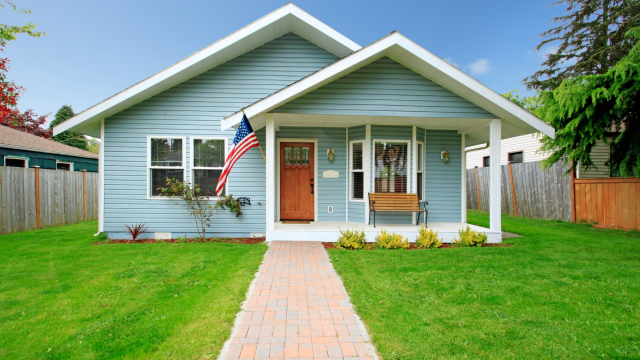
x=271, y=171
x=414, y=168
x=101, y=177
x=495, y=169
x=463, y=204
x=367, y=159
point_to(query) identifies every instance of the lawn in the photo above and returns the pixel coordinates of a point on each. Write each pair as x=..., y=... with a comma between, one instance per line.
x=62, y=297
x=563, y=291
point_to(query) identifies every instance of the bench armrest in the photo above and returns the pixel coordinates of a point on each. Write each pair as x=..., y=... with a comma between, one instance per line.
x=424, y=204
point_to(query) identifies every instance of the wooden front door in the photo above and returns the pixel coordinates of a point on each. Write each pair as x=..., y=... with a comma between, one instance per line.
x=296, y=181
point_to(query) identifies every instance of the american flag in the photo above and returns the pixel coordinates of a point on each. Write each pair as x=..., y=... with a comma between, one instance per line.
x=245, y=139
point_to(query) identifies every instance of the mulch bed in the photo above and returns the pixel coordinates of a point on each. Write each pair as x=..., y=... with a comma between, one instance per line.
x=248, y=241
x=371, y=246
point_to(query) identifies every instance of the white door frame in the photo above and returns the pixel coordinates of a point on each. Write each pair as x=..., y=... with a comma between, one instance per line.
x=315, y=174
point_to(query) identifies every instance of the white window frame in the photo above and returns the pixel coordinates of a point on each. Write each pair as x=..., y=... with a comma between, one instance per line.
x=26, y=160
x=64, y=162
x=352, y=170
x=373, y=160
x=149, y=167
x=192, y=162
x=421, y=164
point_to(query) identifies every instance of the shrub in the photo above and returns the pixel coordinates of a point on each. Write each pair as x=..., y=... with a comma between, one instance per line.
x=427, y=238
x=136, y=230
x=468, y=237
x=351, y=239
x=385, y=240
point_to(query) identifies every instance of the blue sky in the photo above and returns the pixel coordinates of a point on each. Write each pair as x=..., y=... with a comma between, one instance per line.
x=94, y=49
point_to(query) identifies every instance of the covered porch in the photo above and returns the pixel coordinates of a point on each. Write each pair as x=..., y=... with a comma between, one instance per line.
x=329, y=231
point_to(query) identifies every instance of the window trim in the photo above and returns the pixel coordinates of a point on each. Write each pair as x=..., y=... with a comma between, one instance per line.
x=515, y=152
x=65, y=162
x=351, y=171
x=409, y=163
x=26, y=160
x=418, y=171
x=149, y=167
x=192, y=156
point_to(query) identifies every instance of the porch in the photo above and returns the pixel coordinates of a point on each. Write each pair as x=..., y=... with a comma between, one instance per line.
x=329, y=231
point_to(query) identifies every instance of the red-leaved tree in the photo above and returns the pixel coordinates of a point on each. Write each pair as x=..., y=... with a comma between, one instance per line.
x=9, y=91
x=28, y=122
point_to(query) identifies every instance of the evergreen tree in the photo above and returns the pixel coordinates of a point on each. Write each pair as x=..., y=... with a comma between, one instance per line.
x=590, y=39
x=66, y=137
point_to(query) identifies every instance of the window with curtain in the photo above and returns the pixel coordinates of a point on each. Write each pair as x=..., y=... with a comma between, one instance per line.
x=391, y=167
x=357, y=170
x=208, y=162
x=166, y=161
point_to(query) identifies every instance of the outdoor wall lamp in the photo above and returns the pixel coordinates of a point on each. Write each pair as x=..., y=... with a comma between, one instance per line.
x=330, y=155
x=444, y=155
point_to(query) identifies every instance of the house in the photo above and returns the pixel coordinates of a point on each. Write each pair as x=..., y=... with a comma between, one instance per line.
x=336, y=121
x=21, y=149
x=526, y=149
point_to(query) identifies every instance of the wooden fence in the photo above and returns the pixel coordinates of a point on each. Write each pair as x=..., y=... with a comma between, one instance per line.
x=540, y=194
x=33, y=198
x=612, y=203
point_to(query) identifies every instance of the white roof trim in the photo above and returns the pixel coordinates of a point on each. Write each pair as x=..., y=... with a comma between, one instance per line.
x=28, y=148
x=288, y=18
x=408, y=53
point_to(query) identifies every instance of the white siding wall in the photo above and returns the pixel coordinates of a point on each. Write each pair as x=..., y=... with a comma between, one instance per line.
x=599, y=156
x=529, y=144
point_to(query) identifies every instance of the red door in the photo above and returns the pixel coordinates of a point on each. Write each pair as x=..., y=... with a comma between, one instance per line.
x=296, y=181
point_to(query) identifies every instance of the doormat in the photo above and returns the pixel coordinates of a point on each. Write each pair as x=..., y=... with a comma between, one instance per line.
x=295, y=222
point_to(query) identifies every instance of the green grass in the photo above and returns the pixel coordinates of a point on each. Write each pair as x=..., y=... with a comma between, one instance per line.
x=563, y=291
x=62, y=297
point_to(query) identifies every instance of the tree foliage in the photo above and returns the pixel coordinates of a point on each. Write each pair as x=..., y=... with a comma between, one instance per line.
x=28, y=122
x=590, y=39
x=68, y=138
x=8, y=32
x=585, y=108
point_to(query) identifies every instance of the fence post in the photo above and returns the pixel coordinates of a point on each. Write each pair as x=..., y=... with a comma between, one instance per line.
x=37, y=169
x=477, y=187
x=513, y=190
x=84, y=193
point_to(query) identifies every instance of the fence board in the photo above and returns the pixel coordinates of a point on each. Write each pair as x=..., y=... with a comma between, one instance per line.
x=61, y=198
x=615, y=202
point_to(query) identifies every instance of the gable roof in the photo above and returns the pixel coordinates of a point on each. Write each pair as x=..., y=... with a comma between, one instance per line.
x=16, y=139
x=288, y=18
x=516, y=120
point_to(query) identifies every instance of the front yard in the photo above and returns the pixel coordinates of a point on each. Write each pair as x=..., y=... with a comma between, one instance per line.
x=563, y=291
x=62, y=297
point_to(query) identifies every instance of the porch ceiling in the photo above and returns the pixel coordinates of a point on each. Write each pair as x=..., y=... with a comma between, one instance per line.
x=476, y=130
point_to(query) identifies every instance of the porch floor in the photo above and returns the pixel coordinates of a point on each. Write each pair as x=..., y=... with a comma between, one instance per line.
x=328, y=231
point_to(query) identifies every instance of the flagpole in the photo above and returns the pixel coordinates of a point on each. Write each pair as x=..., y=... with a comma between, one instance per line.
x=259, y=147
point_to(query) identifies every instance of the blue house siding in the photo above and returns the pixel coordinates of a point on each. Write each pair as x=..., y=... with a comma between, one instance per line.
x=443, y=181
x=384, y=88
x=194, y=109
x=331, y=192
x=356, y=208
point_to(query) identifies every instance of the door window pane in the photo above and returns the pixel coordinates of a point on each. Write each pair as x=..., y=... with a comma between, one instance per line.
x=288, y=156
x=296, y=156
x=305, y=156
x=208, y=153
x=159, y=178
x=166, y=152
x=391, y=167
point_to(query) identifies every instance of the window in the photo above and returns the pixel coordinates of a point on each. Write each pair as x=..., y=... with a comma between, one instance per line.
x=516, y=157
x=64, y=166
x=208, y=155
x=16, y=161
x=420, y=170
x=391, y=166
x=485, y=161
x=357, y=170
x=166, y=160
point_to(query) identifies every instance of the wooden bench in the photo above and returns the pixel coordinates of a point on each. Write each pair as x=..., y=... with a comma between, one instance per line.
x=396, y=202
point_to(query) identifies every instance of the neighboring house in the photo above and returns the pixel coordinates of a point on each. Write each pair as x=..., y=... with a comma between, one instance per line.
x=388, y=112
x=526, y=149
x=21, y=149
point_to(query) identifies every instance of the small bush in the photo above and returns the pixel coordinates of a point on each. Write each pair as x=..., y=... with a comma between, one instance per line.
x=385, y=240
x=136, y=230
x=351, y=239
x=468, y=237
x=427, y=238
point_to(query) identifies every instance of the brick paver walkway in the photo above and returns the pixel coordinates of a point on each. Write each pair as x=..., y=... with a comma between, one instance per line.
x=298, y=309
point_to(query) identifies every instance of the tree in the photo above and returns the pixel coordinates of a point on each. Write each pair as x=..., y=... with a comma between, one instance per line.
x=28, y=122
x=590, y=40
x=68, y=138
x=585, y=108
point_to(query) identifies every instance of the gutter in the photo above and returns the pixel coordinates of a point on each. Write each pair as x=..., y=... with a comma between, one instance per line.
x=486, y=145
